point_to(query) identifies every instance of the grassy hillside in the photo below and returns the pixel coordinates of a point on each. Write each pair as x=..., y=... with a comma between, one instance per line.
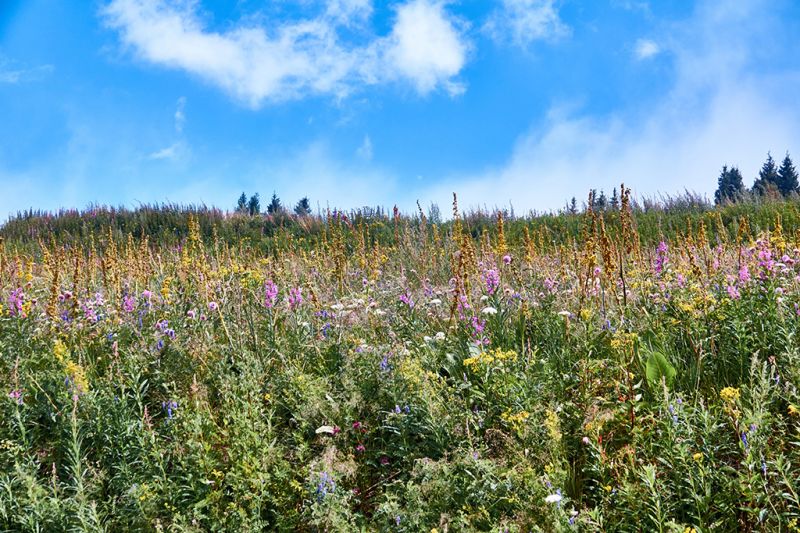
x=188, y=370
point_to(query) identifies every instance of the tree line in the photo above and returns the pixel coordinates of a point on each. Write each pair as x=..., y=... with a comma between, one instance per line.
x=252, y=206
x=771, y=181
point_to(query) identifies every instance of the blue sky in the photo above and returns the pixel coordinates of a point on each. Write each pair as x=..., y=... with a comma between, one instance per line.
x=361, y=102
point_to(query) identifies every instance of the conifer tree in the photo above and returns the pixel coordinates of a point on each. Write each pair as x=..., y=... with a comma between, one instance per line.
x=303, y=207
x=730, y=185
x=275, y=205
x=787, y=177
x=254, y=205
x=241, y=205
x=767, y=177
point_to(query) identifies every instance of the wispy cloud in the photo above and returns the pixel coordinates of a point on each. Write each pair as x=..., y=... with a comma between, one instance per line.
x=521, y=22
x=720, y=96
x=293, y=59
x=645, y=49
x=12, y=73
x=365, y=150
x=180, y=115
x=171, y=152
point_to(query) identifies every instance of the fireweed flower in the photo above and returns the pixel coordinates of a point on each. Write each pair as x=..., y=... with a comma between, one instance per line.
x=406, y=299
x=295, y=297
x=733, y=292
x=128, y=303
x=491, y=278
x=270, y=294
x=661, y=258
x=16, y=301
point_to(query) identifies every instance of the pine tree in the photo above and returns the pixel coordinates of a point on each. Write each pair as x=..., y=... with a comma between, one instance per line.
x=254, y=205
x=787, y=177
x=614, y=199
x=767, y=177
x=602, y=201
x=730, y=185
x=241, y=205
x=275, y=205
x=303, y=207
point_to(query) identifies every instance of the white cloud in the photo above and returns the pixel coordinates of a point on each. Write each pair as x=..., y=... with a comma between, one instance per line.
x=522, y=22
x=295, y=58
x=426, y=47
x=365, y=150
x=171, y=152
x=180, y=115
x=646, y=48
x=12, y=73
x=723, y=108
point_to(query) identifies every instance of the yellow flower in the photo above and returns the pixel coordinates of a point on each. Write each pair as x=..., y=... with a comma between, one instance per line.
x=698, y=457
x=688, y=529
x=793, y=410
x=729, y=395
x=607, y=488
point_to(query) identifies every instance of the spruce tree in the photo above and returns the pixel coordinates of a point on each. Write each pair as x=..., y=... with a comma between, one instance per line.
x=254, y=205
x=303, y=207
x=730, y=185
x=614, y=199
x=787, y=177
x=275, y=205
x=241, y=205
x=767, y=177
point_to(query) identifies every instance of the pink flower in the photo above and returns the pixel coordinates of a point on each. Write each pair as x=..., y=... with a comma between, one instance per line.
x=213, y=306
x=733, y=292
x=270, y=294
x=295, y=298
x=361, y=448
x=507, y=259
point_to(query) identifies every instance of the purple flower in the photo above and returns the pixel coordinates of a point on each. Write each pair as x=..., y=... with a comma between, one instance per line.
x=16, y=299
x=270, y=294
x=507, y=259
x=661, y=257
x=170, y=407
x=491, y=278
x=406, y=299
x=295, y=298
x=16, y=394
x=128, y=303
x=213, y=306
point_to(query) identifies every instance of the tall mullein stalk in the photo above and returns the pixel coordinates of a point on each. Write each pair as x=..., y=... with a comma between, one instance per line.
x=457, y=259
x=52, y=263
x=741, y=234
x=501, y=249
x=609, y=264
x=702, y=245
x=777, y=239
x=2, y=261
x=629, y=239
x=588, y=255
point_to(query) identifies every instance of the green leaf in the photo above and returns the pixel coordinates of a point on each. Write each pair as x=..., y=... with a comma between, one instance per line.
x=658, y=367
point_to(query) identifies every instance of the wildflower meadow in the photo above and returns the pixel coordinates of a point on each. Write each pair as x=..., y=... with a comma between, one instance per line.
x=603, y=371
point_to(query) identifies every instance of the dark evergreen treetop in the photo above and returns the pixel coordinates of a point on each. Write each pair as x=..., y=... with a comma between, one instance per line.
x=254, y=205
x=275, y=205
x=241, y=205
x=767, y=177
x=787, y=177
x=303, y=207
x=730, y=185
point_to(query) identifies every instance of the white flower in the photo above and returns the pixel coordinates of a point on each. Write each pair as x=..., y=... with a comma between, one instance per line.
x=489, y=311
x=337, y=307
x=439, y=336
x=380, y=312
x=435, y=301
x=484, y=298
x=427, y=339
x=553, y=498
x=564, y=313
x=325, y=429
